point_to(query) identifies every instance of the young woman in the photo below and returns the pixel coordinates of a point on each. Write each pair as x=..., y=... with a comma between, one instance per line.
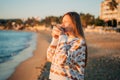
x=68, y=50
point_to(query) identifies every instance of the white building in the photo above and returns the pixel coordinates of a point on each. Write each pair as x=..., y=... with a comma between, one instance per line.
x=107, y=14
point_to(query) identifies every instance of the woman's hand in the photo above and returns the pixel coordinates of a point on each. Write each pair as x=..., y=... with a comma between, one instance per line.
x=57, y=31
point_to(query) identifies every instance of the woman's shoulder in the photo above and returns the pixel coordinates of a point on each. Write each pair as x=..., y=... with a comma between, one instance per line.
x=80, y=40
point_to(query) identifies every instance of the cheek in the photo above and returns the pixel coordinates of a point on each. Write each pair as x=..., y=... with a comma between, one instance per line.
x=69, y=28
x=67, y=25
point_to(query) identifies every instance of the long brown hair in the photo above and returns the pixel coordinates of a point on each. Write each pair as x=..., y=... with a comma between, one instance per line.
x=77, y=27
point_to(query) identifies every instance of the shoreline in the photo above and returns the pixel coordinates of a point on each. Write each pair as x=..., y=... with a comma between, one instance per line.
x=101, y=48
x=30, y=69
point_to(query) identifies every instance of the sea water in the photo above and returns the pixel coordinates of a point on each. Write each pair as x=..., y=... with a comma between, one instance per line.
x=15, y=47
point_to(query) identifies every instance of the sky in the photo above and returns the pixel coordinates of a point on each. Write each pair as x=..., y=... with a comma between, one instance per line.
x=43, y=8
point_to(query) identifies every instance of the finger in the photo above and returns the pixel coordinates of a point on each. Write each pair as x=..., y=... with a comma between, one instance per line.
x=56, y=30
x=57, y=27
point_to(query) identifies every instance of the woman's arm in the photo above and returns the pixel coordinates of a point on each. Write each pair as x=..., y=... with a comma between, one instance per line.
x=76, y=55
x=51, y=49
x=60, y=53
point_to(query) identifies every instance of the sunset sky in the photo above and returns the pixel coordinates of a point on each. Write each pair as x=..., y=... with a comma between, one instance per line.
x=43, y=8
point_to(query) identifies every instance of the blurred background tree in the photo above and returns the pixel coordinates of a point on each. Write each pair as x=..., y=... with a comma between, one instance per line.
x=50, y=19
x=87, y=19
x=31, y=22
x=99, y=22
x=113, y=5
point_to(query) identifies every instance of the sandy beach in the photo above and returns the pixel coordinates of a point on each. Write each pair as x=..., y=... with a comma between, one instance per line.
x=103, y=58
x=31, y=68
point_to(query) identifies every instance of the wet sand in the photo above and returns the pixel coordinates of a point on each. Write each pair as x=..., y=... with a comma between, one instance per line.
x=31, y=68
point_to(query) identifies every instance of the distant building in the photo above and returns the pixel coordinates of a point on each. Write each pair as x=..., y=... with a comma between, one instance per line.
x=106, y=14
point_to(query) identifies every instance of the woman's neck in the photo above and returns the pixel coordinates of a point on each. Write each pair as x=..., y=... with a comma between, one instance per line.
x=70, y=34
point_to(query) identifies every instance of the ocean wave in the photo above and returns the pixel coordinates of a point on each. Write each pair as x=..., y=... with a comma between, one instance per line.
x=10, y=53
x=15, y=48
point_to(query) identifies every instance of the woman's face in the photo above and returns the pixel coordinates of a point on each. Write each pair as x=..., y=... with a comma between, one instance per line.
x=67, y=23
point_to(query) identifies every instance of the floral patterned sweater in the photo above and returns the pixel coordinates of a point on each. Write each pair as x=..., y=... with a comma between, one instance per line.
x=68, y=58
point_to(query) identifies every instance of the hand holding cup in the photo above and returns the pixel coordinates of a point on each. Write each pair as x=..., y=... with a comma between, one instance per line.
x=57, y=30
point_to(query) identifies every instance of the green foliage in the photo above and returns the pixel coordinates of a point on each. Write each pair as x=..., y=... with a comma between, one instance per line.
x=8, y=23
x=99, y=22
x=18, y=21
x=48, y=20
x=31, y=22
x=113, y=5
x=87, y=19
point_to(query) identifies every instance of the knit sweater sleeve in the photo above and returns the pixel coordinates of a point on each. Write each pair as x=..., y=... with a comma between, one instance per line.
x=51, y=49
x=60, y=53
x=74, y=56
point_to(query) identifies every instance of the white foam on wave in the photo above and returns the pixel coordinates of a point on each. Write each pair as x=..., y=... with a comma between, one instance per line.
x=7, y=68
